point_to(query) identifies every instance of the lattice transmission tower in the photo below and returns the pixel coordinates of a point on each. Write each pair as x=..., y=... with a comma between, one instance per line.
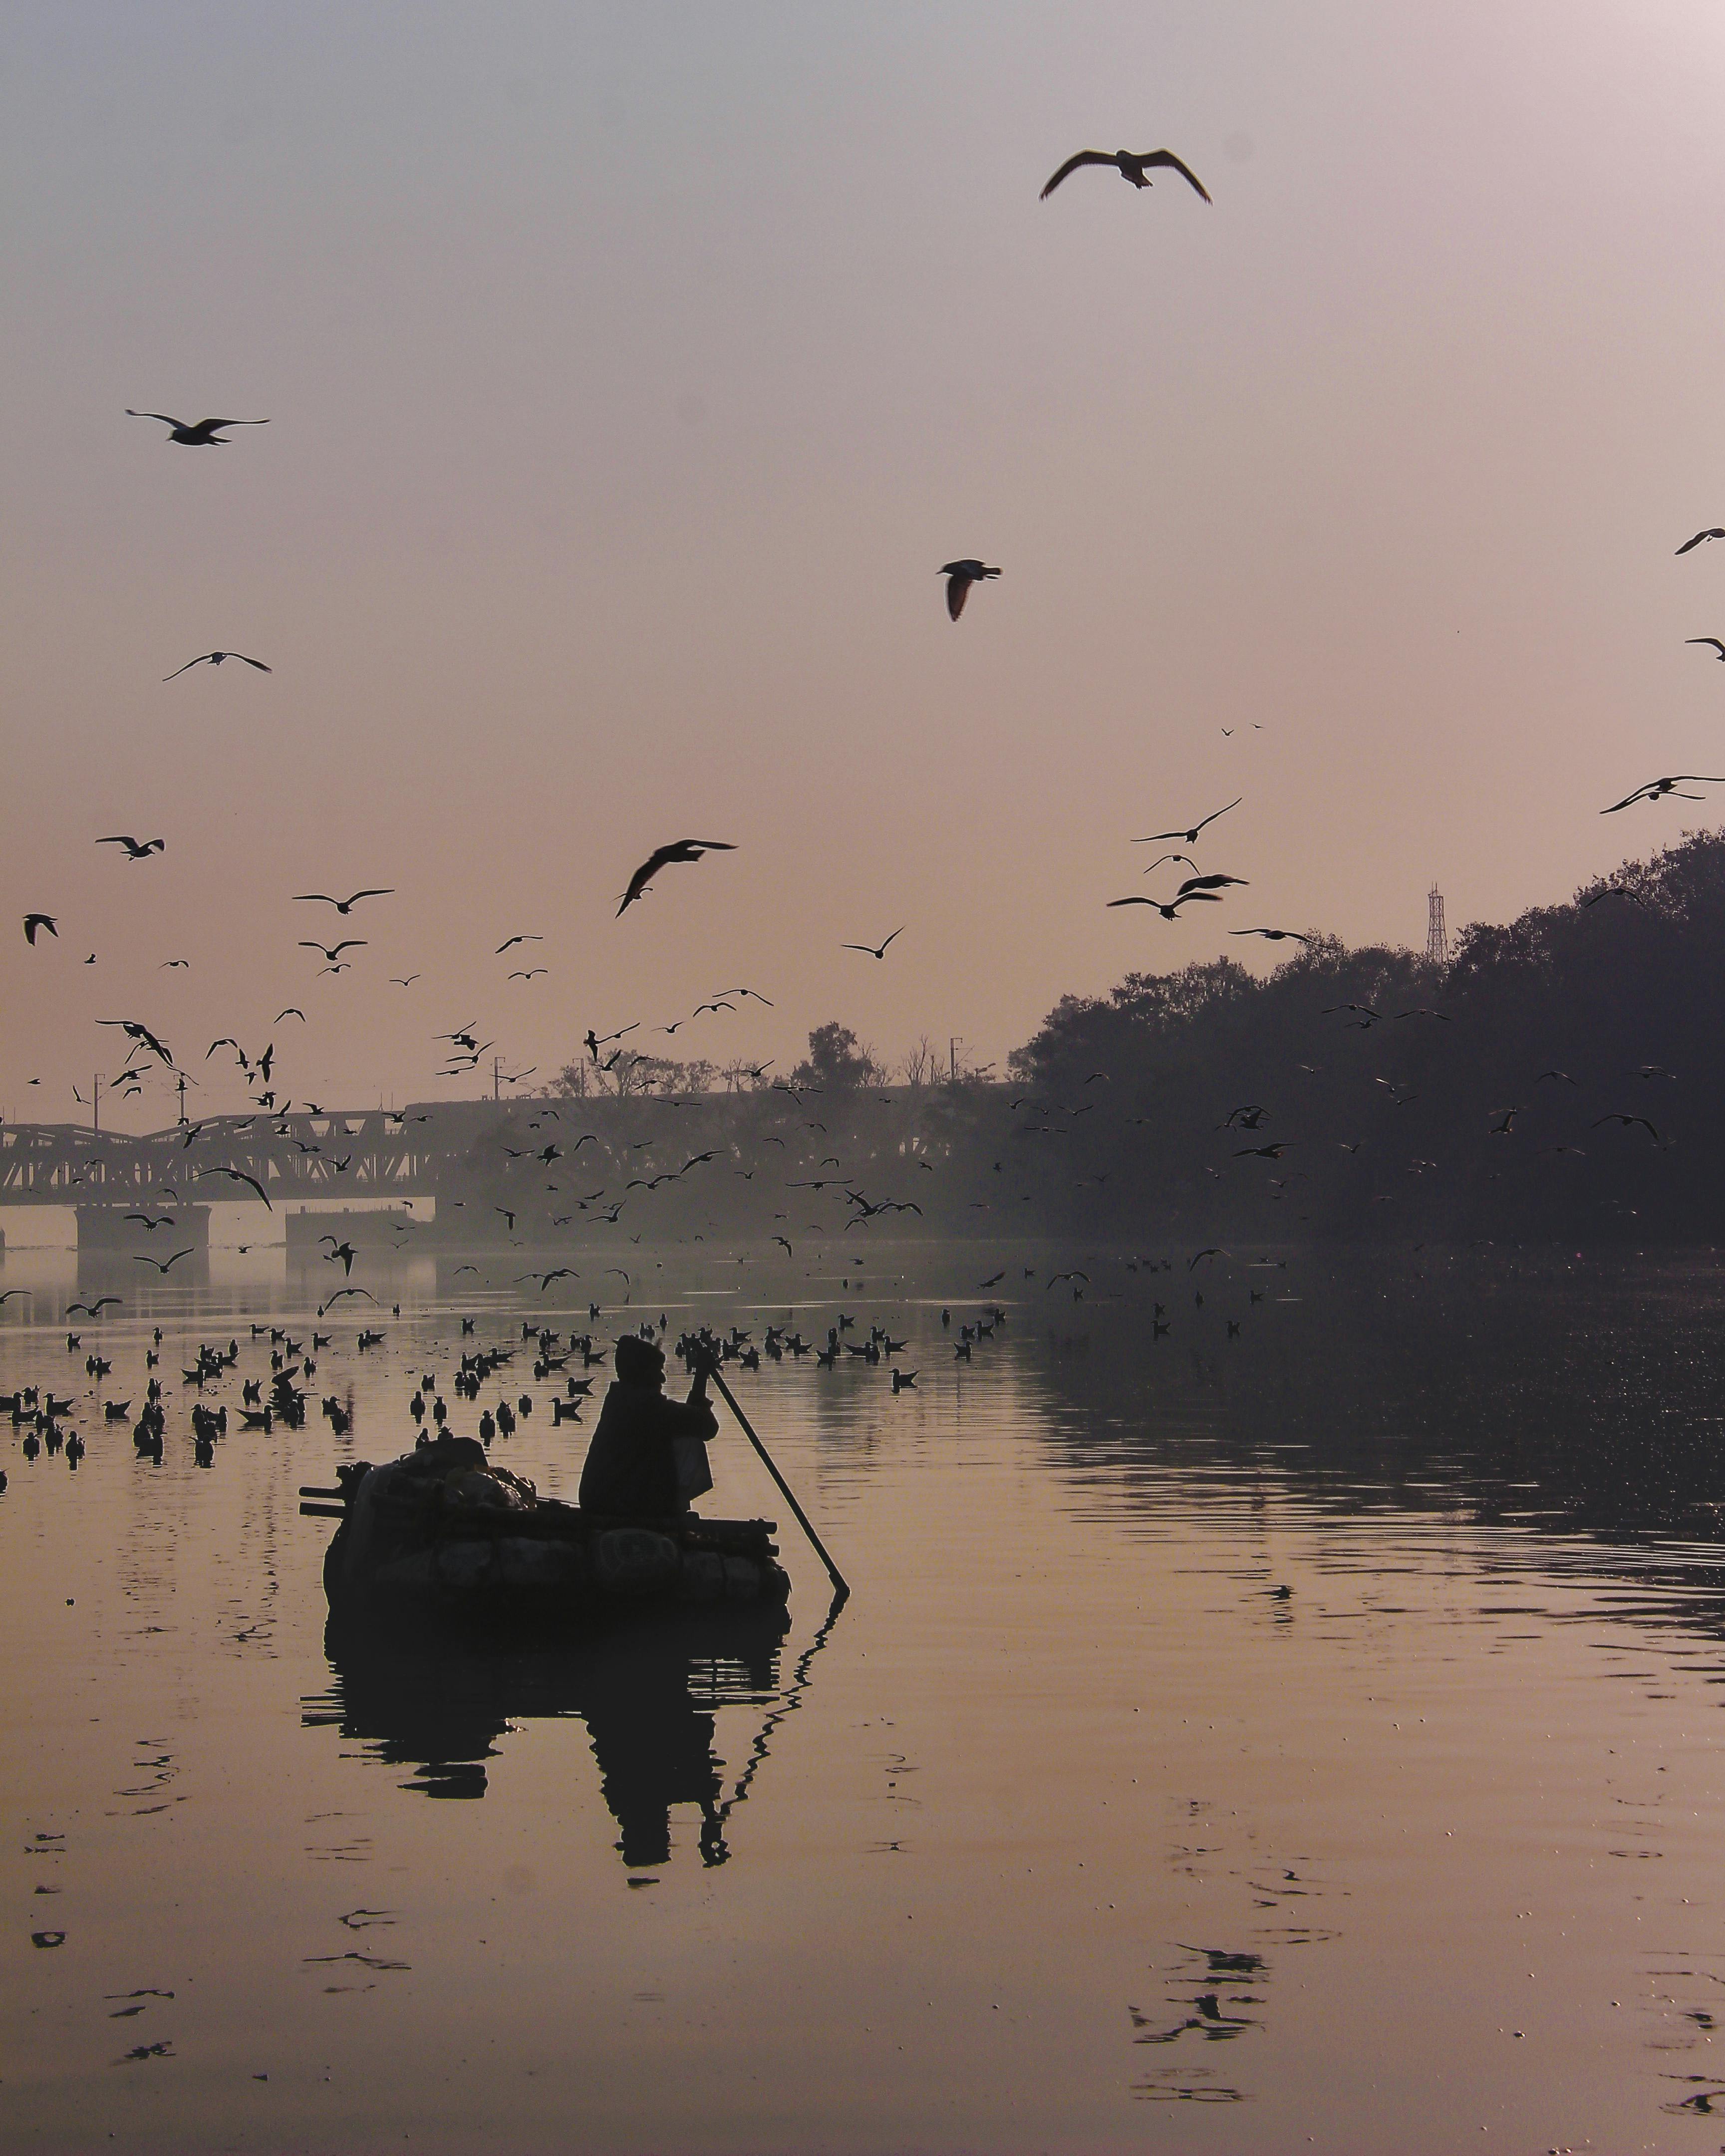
x=1437, y=937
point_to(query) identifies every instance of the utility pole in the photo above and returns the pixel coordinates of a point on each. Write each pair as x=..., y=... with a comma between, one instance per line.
x=496, y=1081
x=952, y=1041
x=95, y=1103
x=1437, y=937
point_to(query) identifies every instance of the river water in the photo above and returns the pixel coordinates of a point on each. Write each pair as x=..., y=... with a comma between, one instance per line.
x=1297, y=1726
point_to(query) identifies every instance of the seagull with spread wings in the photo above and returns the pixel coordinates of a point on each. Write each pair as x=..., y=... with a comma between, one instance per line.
x=331, y=951
x=1656, y=788
x=1172, y=910
x=872, y=950
x=1714, y=531
x=196, y=433
x=215, y=658
x=136, y=849
x=1191, y=836
x=1131, y=165
x=32, y=921
x=681, y=852
x=343, y=905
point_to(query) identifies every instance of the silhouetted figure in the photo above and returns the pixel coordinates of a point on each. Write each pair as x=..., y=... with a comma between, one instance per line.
x=631, y=1467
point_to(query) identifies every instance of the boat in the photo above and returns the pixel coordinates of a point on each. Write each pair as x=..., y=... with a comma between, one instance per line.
x=443, y=1530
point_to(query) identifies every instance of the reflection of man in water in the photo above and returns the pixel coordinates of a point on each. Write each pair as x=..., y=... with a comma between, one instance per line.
x=631, y=1467
x=654, y=1747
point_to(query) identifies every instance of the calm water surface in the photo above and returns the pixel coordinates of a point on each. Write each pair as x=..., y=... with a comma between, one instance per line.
x=1232, y=1741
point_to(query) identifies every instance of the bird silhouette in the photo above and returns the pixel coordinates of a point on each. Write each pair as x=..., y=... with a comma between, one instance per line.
x=1131, y=165
x=198, y=433
x=872, y=950
x=1718, y=647
x=161, y=1264
x=510, y=942
x=1191, y=836
x=136, y=849
x=331, y=951
x=215, y=658
x=238, y=1175
x=1273, y=935
x=343, y=906
x=1656, y=788
x=1628, y=1123
x=1715, y=532
x=960, y=575
x=32, y=921
x=681, y=852
x=1171, y=911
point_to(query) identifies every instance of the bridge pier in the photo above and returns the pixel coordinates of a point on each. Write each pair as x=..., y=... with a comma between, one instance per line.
x=107, y=1231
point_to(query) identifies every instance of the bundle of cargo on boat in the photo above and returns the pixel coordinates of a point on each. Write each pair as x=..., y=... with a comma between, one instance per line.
x=441, y=1528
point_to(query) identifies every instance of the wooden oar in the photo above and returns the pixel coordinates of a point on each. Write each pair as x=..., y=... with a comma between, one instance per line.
x=840, y=1586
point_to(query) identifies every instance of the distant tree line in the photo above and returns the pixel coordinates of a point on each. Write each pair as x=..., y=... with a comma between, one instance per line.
x=1558, y=1079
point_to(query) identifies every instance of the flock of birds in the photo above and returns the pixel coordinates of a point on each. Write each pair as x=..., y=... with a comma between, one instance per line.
x=1135, y=167
x=465, y=1046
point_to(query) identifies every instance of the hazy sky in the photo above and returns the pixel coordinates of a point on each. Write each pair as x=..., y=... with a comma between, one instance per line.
x=631, y=370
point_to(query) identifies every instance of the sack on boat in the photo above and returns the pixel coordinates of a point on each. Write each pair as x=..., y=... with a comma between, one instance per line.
x=635, y=1560
x=695, y=1477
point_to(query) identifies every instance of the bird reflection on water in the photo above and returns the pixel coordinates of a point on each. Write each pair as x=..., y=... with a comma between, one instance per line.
x=649, y=1692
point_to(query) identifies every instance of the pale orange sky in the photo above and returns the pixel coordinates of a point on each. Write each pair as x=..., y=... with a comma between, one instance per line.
x=631, y=372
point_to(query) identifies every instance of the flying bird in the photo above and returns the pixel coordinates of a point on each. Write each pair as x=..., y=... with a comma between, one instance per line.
x=681, y=853
x=161, y=1264
x=215, y=658
x=870, y=949
x=529, y=973
x=135, y=1030
x=293, y=1010
x=1172, y=910
x=343, y=906
x=1717, y=531
x=32, y=921
x=238, y=1175
x=136, y=849
x=1656, y=787
x=1195, y=883
x=1191, y=836
x=1130, y=165
x=196, y=434
x=510, y=944
x=331, y=951
x=1718, y=647
x=960, y=575
x=1274, y=935
x=1628, y=1123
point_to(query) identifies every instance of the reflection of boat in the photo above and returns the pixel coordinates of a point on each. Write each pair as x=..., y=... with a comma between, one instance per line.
x=441, y=1529
x=647, y=1691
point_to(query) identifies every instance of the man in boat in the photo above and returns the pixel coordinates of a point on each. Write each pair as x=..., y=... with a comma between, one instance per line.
x=631, y=1470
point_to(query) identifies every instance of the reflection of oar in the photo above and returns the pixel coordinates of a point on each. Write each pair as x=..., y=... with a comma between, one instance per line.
x=841, y=1586
x=792, y=1700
